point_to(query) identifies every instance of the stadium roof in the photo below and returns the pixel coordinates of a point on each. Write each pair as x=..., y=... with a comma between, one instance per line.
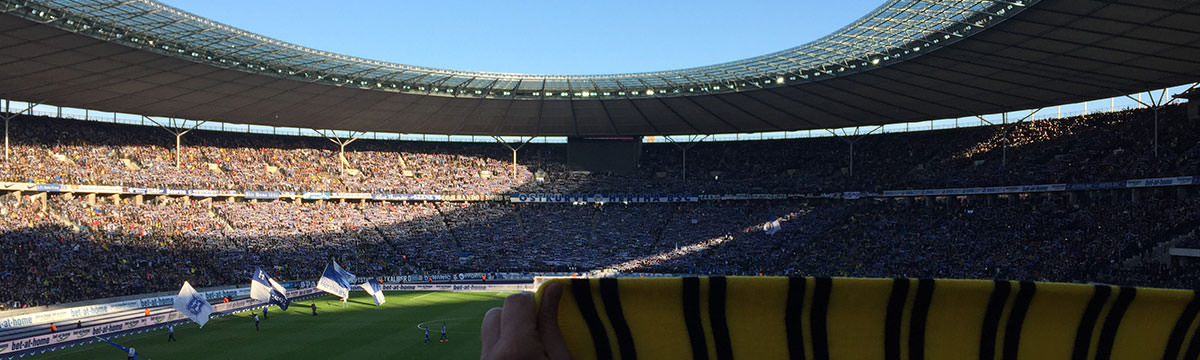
x=909, y=60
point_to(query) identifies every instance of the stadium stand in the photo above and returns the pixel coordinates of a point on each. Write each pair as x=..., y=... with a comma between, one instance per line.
x=1096, y=147
x=83, y=247
x=989, y=232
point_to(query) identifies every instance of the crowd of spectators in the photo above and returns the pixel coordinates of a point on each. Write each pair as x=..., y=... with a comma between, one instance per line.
x=1025, y=239
x=1096, y=147
x=73, y=248
x=47, y=150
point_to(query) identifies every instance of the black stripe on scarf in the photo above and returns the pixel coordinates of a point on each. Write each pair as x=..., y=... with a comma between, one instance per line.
x=616, y=316
x=895, y=315
x=916, y=323
x=716, y=315
x=583, y=297
x=1175, y=341
x=691, y=316
x=794, y=313
x=1087, y=324
x=1109, y=332
x=820, y=312
x=991, y=319
x=1016, y=318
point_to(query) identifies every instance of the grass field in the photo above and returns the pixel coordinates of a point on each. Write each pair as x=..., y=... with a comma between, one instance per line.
x=360, y=330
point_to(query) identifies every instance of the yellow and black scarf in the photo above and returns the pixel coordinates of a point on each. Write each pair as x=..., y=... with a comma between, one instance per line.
x=844, y=318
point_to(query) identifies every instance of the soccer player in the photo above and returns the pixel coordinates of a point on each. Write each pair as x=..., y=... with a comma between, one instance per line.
x=255, y=322
x=265, y=311
x=314, y=309
x=444, y=339
x=426, y=334
x=170, y=333
x=132, y=353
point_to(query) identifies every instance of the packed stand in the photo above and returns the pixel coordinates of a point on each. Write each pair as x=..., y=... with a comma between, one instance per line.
x=1095, y=147
x=74, y=250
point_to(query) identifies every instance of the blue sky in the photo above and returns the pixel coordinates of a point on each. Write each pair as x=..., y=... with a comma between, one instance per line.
x=540, y=36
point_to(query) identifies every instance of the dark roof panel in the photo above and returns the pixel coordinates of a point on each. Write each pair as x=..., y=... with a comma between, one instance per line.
x=1015, y=57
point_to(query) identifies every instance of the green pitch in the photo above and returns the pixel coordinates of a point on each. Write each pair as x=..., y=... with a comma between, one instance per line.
x=361, y=330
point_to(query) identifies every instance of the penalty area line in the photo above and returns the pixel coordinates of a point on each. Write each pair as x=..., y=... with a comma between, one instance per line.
x=421, y=325
x=421, y=296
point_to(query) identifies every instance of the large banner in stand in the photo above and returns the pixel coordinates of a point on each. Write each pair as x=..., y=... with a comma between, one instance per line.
x=457, y=287
x=406, y=197
x=1171, y=181
x=603, y=198
x=12, y=186
x=145, y=191
x=262, y=195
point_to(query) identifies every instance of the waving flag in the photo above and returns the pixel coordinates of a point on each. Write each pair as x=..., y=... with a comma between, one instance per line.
x=332, y=282
x=279, y=295
x=264, y=288
x=193, y=305
x=771, y=227
x=260, y=289
x=372, y=288
x=345, y=274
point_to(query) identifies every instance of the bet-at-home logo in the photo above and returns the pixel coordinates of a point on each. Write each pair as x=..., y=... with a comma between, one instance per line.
x=30, y=343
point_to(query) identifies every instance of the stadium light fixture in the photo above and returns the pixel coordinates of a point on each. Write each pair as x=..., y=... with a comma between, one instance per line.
x=779, y=80
x=875, y=61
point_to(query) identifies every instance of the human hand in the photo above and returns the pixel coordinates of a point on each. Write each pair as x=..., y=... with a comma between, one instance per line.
x=521, y=331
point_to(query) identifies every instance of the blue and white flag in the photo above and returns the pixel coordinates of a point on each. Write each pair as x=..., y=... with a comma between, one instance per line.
x=332, y=282
x=260, y=289
x=279, y=295
x=372, y=288
x=771, y=227
x=345, y=274
x=263, y=288
x=190, y=303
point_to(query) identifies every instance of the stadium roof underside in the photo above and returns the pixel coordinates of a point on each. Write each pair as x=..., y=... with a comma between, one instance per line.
x=909, y=60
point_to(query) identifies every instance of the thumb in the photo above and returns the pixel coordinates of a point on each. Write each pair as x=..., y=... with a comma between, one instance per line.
x=552, y=340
